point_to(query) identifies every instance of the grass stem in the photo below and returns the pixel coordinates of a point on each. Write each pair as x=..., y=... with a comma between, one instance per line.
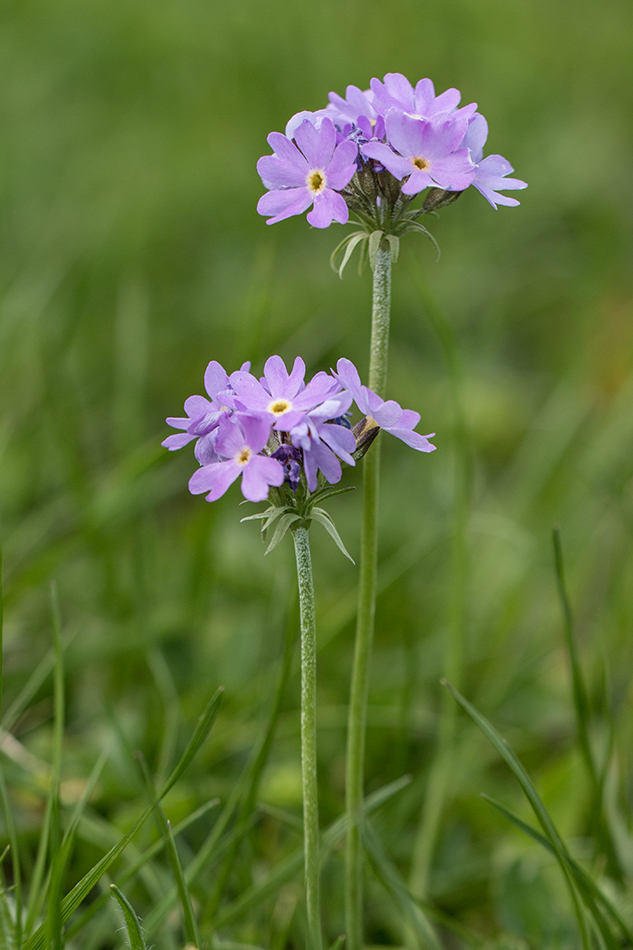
x=357, y=715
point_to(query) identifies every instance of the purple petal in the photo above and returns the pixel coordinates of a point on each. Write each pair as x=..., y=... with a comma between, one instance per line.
x=205, y=449
x=279, y=174
x=328, y=206
x=476, y=136
x=423, y=97
x=400, y=90
x=256, y=430
x=406, y=133
x=398, y=166
x=413, y=439
x=442, y=134
x=176, y=441
x=340, y=440
x=327, y=143
x=283, y=204
x=418, y=181
x=278, y=380
x=215, y=479
x=308, y=139
x=446, y=101
x=287, y=151
x=197, y=406
x=342, y=166
x=258, y=474
x=388, y=414
x=455, y=172
x=215, y=378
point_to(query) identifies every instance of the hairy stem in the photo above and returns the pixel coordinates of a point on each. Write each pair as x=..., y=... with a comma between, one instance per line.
x=366, y=611
x=308, y=735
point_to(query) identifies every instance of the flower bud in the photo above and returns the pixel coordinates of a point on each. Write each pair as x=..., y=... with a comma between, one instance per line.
x=438, y=198
x=364, y=432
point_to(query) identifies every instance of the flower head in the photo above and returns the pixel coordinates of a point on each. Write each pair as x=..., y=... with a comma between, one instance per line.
x=372, y=151
x=311, y=172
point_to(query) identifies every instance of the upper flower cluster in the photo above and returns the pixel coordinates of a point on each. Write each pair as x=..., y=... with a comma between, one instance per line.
x=279, y=429
x=374, y=150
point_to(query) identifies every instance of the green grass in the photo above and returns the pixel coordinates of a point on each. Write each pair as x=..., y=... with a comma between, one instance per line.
x=131, y=256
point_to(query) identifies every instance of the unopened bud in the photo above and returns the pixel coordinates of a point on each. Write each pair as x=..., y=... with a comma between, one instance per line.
x=364, y=432
x=438, y=198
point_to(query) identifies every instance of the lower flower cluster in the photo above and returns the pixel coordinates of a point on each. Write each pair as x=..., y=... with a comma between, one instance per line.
x=279, y=430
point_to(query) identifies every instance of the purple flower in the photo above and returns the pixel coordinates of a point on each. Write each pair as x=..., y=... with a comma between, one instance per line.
x=239, y=441
x=280, y=395
x=312, y=172
x=321, y=442
x=427, y=151
x=387, y=415
x=420, y=102
x=203, y=416
x=490, y=172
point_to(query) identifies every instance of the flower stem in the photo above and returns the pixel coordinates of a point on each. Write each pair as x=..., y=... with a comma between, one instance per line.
x=308, y=735
x=366, y=611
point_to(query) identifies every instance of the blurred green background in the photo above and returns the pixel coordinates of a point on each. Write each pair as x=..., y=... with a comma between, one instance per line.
x=132, y=254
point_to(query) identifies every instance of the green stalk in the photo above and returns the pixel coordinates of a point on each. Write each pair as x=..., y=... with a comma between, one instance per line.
x=437, y=791
x=357, y=715
x=308, y=735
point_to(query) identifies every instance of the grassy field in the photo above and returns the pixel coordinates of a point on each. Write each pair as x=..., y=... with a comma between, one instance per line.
x=131, y=255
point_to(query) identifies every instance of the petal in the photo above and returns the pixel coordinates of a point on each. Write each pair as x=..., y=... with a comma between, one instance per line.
x=327, y=143
x=177, y=440
x=442, y=134
x=418, y=181
x=276, y=173
x=307, y=138
x=197, y=406
x=413, y=439
x=257, y=476
x=340, y=440
x=476, y=136
x=400, y=89
x=424, y=97
x=398, y=166
x=455, y=172
x=447, y=101
x=214, y=478
x=328, y=206
x=215, y=378
x=256, y=429
x=342, y=166
x=283, y=204
x=286, y=150
x=405, y=133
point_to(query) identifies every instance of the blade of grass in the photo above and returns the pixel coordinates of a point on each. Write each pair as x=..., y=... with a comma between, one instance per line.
x=15, y=857
x=189, y=921
x=294, y=862
x=389, y=877
x=48, y=842
x=74, y=898
x=132, y=923
x=132, y=871
x=589, y=889
x=256, y=766
x=598, y=822
x=507, y=753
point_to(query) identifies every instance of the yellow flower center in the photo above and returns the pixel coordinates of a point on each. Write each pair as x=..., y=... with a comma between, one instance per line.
x=420, y=163
x=243, y=455
x=279, y=406
x=316, y=181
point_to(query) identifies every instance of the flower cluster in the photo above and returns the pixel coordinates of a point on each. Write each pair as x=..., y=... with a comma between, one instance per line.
x=279, y=429
x=374, y=151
